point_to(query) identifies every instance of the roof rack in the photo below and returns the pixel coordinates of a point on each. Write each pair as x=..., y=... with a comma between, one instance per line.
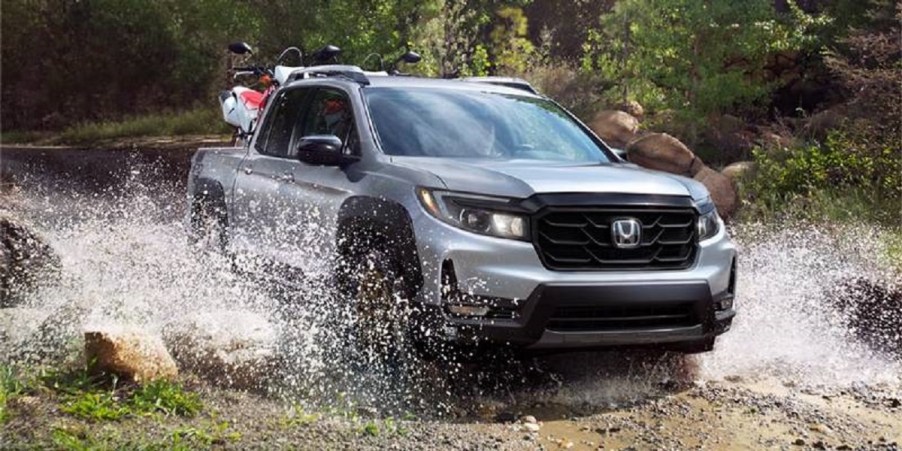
x=510, y=82
x=352, y=73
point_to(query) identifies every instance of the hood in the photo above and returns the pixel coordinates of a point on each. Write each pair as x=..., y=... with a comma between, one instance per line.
x=523, y=178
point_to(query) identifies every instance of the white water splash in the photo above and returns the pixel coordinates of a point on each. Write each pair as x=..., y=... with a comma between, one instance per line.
x=786, y=326
x=126, y=256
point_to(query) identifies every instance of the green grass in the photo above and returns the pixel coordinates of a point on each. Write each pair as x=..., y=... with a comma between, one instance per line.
x=166, y=398
x=159, y=397
x=205, y=435
x=297, y=416
x=834, y=206
x=208, y=434
x=200, y=121
x=385, y=427
x=97, y=413
x=98, y=398
x=825, y=205
x=11, y=385
x=22, y=137
x=95, y=406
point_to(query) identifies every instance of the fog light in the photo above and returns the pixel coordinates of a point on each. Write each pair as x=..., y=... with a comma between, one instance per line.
x=450, y=332
x=468, y=310
x=725, y=304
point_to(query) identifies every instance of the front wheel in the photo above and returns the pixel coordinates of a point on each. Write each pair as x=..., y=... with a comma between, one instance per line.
x=375, y=287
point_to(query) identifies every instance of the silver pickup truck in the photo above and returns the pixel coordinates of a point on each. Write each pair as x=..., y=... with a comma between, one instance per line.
x=469, y=213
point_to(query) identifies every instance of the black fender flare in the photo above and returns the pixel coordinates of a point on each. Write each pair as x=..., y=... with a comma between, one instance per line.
x=207, y=193
x=364, y=220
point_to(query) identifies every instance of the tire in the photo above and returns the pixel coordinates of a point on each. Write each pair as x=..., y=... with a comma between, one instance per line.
x=373, y=283
x=208, y=227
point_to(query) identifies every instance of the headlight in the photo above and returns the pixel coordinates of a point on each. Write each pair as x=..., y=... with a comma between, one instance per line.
x=477, y=214
x=708, y=225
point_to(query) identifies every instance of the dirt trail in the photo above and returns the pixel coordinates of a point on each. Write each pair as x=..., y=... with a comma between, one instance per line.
x=739, y=415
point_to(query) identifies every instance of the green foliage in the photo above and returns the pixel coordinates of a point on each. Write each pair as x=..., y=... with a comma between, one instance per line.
x=455, y=39
x=73, y=440
x=166, y=398
x=21, y=136
x=510, y=45
x=298, y=416
x=64, y=62
x=387, y=426
x=158, y=397
x=208, y=434
x=95, y=406
x=842, y=178
x=205, y=434
x=99, y=398
x=696, y=58
x=855, y=172
x=200, y=121
x=371, y=428
x=11, y=385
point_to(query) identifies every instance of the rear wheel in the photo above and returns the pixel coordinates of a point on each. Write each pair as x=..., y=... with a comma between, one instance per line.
x=208, y=225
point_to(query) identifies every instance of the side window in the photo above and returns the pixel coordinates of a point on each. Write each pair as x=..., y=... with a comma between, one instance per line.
x=275, y=136
x=330, y=114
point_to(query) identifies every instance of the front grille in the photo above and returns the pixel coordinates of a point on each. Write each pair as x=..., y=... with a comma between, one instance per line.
x=580, y=239
x=608, y=318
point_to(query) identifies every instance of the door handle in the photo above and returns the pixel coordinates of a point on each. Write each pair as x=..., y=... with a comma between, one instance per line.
x=248, y=170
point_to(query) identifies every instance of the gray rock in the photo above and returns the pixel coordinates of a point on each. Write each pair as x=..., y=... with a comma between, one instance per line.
x=26, y=261
x=230, y=348
x=129, y=353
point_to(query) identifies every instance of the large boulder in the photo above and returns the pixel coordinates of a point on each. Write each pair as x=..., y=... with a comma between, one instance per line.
x=723, y=193
x=616, y=128
x=231, y=348
x=26, y=261
x=129, y=353
x=663, y=152
x=633, y=108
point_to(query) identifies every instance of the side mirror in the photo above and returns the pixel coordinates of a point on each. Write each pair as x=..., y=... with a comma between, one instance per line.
x=410, y=57
x=240, y=48
x=322, y=150
x=326, y=53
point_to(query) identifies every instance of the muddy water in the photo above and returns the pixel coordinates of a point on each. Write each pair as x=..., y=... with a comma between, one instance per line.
x=116, y=218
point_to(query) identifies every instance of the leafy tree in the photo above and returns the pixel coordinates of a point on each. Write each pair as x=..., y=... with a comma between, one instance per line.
x=697, y=57
x=456, y=38
x=511, y=48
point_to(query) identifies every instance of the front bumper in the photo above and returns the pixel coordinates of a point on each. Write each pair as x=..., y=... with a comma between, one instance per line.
x=507, y=269
x=533, y=327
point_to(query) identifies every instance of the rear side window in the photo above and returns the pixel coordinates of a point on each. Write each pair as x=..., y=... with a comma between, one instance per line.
x=275, y=136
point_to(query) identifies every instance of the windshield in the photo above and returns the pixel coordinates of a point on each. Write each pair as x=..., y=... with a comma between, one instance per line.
x=456, y=123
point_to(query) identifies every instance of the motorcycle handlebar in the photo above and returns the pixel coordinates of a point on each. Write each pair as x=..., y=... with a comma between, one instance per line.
x=241, y=73
x=251, y=69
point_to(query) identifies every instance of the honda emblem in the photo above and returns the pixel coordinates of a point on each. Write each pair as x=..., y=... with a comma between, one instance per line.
x=626, y=233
